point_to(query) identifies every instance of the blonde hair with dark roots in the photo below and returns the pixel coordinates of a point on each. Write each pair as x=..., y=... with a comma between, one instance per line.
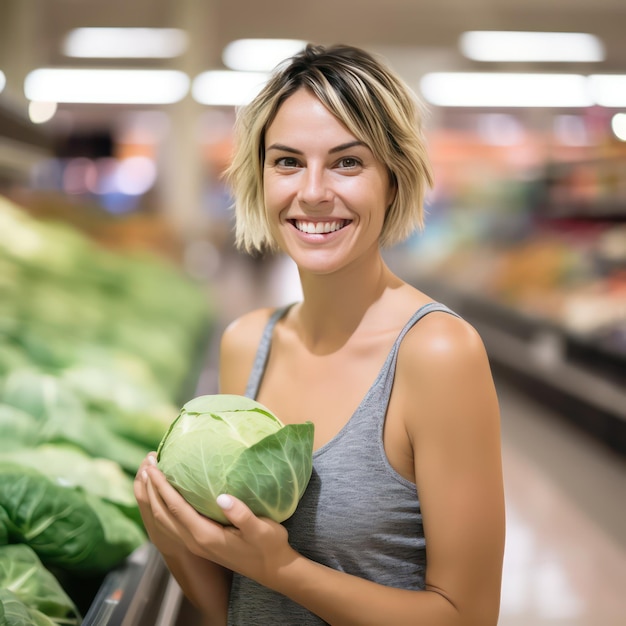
x=373, y=103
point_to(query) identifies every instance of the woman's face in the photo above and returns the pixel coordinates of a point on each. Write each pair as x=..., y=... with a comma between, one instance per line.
x=325, y=192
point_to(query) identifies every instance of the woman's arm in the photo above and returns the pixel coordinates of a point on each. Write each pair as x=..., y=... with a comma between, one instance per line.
x=458, y=466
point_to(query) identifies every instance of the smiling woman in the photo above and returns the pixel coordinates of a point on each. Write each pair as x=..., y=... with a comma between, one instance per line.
x=402, y=521
x=371, y=104
x=323, y=187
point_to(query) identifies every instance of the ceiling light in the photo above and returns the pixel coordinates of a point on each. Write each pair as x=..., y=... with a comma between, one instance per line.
x=41, y=112
x=259, y=55
x=125, y=43
x=618, y=125
x=3, y=81
x=531, y=46
x=106, y=86
x=468, y=89
x=609, y=90
x=222, y=87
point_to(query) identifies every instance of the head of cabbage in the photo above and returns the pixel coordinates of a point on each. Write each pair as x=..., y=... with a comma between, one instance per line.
x=226, y=443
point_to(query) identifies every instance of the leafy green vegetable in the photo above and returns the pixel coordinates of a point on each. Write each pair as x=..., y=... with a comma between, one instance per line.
x=65, y=526
x=38, y=394
x=64, y=419
x=24, y=575
x=17, y=428
x=231, y=444
x=133, y=408
x=70, y=467
x=13, y=612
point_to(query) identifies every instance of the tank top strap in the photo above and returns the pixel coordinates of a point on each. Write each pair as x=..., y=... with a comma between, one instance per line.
x=385, y=377
x=263, y=352
x=388, y=372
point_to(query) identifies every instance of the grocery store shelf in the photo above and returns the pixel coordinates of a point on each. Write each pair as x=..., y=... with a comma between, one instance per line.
x=540, y=357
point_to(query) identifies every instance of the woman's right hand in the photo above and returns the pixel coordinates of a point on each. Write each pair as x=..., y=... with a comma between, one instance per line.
x=205, y=584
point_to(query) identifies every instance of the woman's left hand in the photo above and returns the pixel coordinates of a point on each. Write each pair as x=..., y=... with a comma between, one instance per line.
x=256, y=547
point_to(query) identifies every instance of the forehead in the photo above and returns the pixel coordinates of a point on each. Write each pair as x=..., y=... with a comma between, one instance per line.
x=303, y=114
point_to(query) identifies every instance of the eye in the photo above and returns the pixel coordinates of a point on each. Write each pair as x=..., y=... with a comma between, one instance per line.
x=287, y=161
x=348, y=163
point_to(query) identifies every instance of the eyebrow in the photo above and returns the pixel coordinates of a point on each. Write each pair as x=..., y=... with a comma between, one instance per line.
x=339, y=148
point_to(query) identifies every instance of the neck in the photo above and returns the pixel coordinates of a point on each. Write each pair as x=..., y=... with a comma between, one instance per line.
x=336, y=305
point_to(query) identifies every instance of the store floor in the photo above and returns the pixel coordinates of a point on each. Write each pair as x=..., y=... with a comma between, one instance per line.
x=565, y=557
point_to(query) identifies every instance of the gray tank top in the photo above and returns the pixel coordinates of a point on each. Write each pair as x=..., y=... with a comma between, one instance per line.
x=357, y=515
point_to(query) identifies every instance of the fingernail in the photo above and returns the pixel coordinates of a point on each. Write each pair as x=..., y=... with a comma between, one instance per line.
x=144, y=476
x=152, y=459
x=224, y=501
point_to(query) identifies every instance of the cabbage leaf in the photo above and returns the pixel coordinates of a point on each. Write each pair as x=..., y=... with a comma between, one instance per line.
x=231, y=444
x=65, y=526
x=23, y=574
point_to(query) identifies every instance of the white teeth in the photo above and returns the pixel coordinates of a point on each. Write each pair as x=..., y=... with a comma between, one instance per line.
x=319, y=227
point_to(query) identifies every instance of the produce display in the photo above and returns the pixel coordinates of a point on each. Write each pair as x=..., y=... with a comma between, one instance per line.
x=29, y=593
x=231, y=444
x=96, y=350
x=552, y=276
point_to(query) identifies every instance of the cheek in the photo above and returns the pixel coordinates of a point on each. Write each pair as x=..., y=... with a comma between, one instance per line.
x=276, y=192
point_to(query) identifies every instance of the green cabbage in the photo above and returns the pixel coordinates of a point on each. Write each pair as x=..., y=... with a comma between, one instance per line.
x=231, y=444
x=68, y=466
x=66, y=527
x=32, y=594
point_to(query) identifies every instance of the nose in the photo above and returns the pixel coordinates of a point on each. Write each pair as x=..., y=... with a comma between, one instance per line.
x=314, y=189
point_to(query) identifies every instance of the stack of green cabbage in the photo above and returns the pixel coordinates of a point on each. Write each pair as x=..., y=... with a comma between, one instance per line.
x=95, y=351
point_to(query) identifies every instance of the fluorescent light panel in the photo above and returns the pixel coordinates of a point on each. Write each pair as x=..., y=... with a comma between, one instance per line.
x=469, y=89
x=259, y=55
x=609, y=90
x=111, y=43
x=531, y=46
x=106, y=86
x=226, y=88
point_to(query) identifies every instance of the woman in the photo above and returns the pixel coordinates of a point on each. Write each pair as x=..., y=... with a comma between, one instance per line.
x=403, y=520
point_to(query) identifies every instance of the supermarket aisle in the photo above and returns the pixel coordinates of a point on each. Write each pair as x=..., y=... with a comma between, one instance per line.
x=565, y=558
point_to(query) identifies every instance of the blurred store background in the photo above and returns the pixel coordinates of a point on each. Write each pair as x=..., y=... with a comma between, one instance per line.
x=116, y=125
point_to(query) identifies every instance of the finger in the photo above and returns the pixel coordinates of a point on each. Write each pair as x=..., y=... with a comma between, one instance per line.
x=159, y=510
x=148, y=461
x=139, y=483
x=168, y=500
x=236, y=512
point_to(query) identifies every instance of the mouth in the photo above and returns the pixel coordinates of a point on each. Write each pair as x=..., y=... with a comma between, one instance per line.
x=319, y=228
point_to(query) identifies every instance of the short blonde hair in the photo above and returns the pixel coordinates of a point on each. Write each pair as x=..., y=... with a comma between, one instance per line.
x=373, y=103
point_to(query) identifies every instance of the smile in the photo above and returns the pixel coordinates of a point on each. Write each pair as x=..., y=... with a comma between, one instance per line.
x=319, y=228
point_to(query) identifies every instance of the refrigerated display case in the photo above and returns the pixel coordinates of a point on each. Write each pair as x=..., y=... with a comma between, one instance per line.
x=139, y=593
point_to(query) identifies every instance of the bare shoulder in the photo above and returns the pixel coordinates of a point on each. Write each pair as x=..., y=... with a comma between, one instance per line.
x=443, y=359
x=441, y=341
x=238, y=347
